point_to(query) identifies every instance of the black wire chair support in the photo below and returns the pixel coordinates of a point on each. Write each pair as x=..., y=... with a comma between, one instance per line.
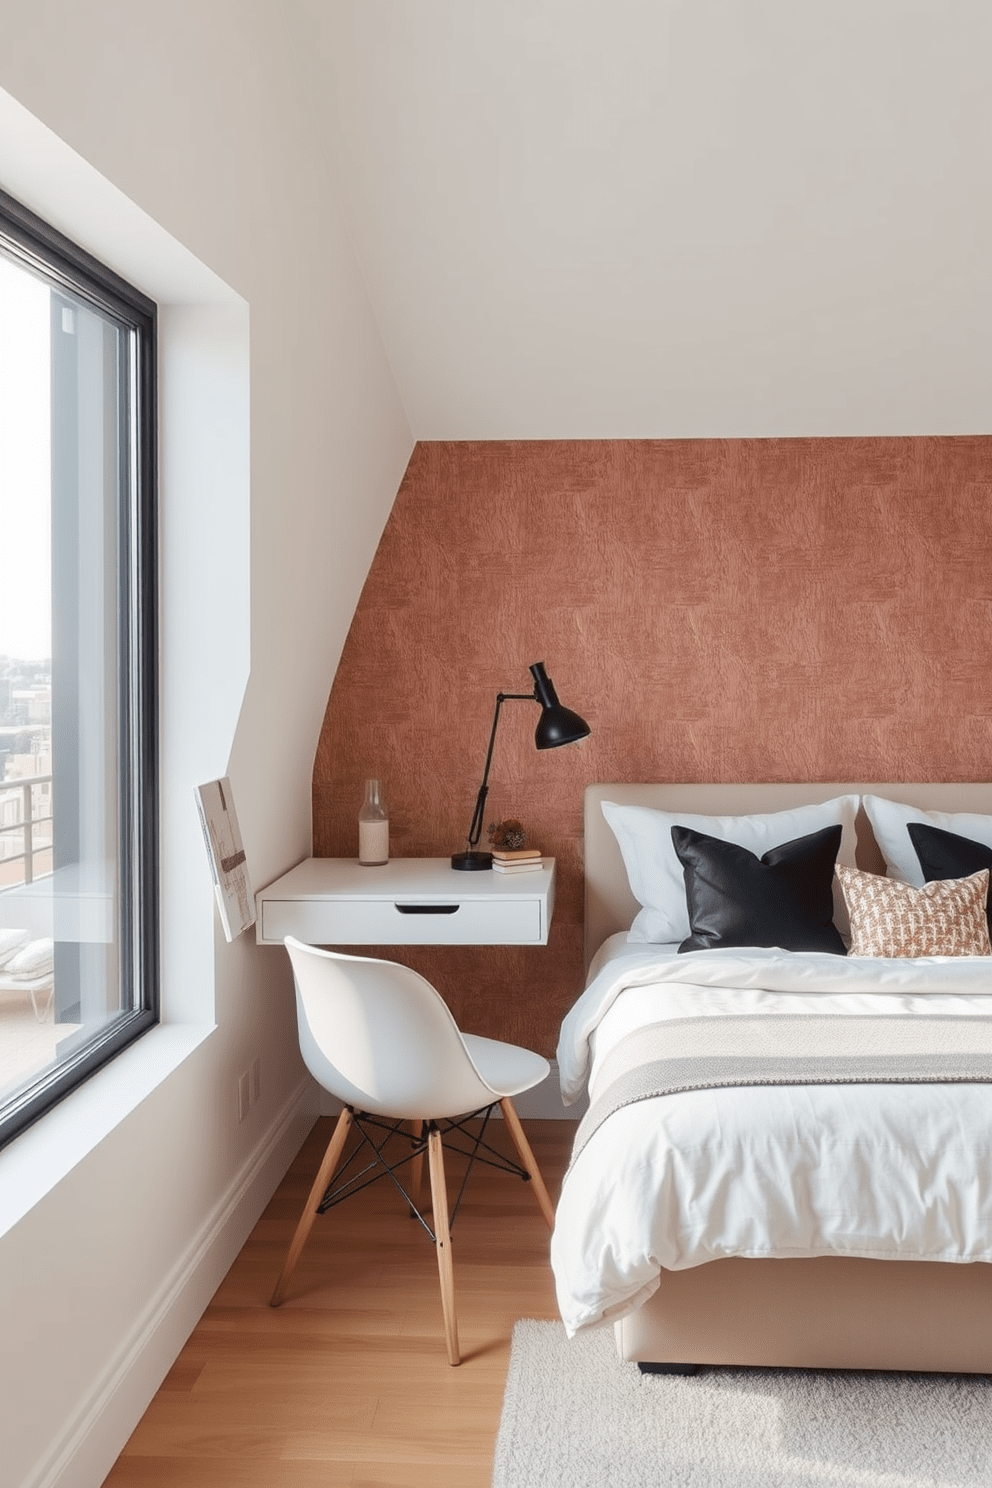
x=343, y=1186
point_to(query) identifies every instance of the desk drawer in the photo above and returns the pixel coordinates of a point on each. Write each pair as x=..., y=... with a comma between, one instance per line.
x=379, y=922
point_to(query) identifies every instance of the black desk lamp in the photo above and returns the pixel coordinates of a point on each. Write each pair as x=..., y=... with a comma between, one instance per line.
x=556, y=726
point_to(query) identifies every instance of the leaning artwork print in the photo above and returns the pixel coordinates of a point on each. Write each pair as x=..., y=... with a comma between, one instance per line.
x=227, y=856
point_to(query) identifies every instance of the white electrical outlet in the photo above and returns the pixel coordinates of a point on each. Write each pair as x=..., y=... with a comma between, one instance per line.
x=244, y=1096
x=256, y=1080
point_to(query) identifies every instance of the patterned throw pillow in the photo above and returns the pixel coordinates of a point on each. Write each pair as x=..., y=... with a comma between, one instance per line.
x=890, y=918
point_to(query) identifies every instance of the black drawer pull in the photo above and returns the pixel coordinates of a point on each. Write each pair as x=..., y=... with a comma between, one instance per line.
x=427, y=908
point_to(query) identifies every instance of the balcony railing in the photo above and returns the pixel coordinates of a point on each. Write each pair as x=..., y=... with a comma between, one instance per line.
x=33, y=816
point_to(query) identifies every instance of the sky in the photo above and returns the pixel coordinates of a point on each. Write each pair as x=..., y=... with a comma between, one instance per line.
x=25, y=466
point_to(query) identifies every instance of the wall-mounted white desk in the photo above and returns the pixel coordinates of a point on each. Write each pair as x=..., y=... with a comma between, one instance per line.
x=408, y=901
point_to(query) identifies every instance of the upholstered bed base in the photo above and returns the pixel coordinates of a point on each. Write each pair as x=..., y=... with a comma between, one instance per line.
x=828, y=1312
x=825, y=1312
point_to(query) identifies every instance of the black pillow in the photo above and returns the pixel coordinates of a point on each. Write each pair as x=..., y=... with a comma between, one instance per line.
x=946, y=855
x=784, y=898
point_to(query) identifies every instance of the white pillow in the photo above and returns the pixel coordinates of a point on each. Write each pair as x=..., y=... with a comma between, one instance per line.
x=10, y=943
x=655, y=874
x=36, y=957
x=890, y=820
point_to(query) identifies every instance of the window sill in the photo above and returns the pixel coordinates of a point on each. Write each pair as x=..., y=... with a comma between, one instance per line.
x=36, y=1161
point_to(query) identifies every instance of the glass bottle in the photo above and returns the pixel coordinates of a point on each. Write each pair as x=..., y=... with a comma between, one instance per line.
x=373, y=828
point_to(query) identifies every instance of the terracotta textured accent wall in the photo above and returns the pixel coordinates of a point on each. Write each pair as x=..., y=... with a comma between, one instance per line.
x=753, y=610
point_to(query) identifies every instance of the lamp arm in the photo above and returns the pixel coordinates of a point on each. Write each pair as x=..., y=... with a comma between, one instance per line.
x=475, y=830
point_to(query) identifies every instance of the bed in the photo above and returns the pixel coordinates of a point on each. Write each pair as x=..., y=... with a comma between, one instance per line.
x=835, y=1225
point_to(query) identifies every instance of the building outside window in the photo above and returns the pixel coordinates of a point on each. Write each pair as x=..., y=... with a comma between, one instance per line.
x=78, y=681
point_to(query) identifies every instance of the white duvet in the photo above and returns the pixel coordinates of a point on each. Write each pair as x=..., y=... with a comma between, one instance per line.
x=888, y=1171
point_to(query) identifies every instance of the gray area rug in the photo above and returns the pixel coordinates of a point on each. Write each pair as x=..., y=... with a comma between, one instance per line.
x=576, y=1416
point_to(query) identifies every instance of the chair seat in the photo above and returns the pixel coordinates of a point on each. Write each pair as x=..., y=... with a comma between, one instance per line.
x=506, y=1068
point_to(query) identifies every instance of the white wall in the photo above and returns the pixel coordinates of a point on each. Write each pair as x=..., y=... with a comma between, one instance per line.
x=172, y=128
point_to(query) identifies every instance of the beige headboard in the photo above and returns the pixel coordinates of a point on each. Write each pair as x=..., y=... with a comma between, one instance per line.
x=610, y=905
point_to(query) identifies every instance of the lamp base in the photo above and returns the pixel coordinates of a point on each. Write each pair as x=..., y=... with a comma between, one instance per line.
x=471, y=862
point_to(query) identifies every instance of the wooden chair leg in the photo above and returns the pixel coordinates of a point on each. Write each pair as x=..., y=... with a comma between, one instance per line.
x=439, y=1201
x=528, y=1161
x=326, y=1172
x=417, y=1170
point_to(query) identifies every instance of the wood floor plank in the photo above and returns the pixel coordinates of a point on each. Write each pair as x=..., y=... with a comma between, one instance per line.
x=212, y=1472
x=347, y=1384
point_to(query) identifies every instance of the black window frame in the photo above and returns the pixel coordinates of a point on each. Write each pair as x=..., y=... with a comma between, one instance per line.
x=45, y=251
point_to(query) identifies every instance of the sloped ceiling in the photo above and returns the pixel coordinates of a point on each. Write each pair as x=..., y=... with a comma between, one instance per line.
x=667, y=218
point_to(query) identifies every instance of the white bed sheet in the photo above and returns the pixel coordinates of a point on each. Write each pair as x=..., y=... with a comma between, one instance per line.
x=884, y=1171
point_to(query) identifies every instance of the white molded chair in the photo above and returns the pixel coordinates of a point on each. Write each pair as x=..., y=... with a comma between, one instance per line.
x=381, y=1039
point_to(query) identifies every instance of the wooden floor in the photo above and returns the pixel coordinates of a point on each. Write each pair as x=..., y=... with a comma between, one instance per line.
x=348, y=1382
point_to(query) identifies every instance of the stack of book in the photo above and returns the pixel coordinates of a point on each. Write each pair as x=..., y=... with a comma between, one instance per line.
x=519, y=860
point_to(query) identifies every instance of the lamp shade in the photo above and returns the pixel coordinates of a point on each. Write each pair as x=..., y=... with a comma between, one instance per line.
x=556, y=725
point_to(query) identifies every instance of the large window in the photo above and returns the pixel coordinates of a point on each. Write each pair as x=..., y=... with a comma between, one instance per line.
x=78, y=688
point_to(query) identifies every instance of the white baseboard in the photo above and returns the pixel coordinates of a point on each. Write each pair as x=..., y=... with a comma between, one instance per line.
x=543, y=1103
x=91, y=1442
